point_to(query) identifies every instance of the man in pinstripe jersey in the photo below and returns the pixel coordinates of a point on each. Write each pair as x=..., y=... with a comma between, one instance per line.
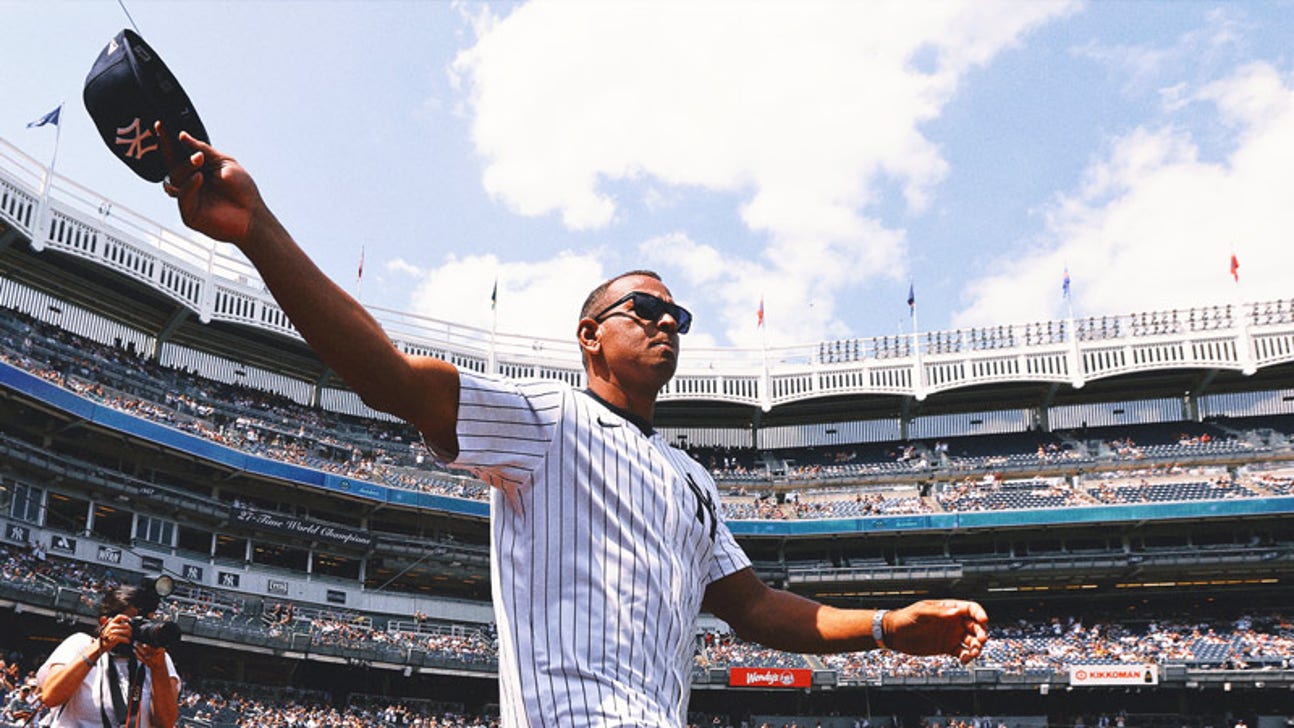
x=606, y=542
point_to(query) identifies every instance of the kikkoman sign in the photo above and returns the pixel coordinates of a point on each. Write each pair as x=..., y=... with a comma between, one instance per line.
x=1082, y=675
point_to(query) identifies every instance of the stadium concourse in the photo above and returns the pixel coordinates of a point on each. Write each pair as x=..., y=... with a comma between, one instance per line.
x=1116, y=491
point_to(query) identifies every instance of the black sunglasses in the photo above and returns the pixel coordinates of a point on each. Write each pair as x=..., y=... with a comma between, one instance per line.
x=650, y=308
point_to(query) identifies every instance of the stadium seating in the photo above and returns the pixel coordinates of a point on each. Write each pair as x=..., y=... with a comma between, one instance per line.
x=274, y=427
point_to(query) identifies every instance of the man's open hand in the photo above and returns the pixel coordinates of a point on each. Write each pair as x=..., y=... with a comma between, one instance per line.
x=938, y=627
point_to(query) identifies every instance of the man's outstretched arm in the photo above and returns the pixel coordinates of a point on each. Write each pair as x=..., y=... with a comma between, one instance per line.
x=792, y=623
x=218, y=197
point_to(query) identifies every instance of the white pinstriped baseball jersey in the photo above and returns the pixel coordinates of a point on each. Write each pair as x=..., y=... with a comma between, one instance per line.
x=604, y=539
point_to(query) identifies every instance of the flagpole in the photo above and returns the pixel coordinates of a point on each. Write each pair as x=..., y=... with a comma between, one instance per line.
x=494, y=327
x=912, y=306
x=42, y=211
x=763, y=332
x=916, y=342
x=58, y=138
x=359, y=276
x=767, y=399
x=918, y=383
x=1075, y=362
x=1237, y=301
x=1248, y=356
x=1069, y=299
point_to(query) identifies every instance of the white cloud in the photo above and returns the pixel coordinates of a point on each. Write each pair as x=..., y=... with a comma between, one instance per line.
x=1142, y=66
x=806, y=109
x=540, y=298
x=1153, y=226
x=403, y=267
x=794, y=280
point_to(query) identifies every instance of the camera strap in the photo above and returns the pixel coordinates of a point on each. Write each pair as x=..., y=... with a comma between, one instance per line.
x=124, y=713
x=113, y=681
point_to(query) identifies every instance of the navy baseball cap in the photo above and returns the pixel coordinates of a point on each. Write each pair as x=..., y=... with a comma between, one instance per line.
x=128, y=89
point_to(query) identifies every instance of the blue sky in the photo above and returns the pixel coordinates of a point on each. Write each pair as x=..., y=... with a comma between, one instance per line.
x=818, y=155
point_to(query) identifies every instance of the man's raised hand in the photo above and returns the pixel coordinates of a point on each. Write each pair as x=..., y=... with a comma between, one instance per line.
x=216, y=196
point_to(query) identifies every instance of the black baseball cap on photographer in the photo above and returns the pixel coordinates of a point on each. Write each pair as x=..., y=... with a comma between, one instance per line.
x=128, y=89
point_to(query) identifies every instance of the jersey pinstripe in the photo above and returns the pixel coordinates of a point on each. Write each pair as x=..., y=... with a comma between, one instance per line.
x=603, y=542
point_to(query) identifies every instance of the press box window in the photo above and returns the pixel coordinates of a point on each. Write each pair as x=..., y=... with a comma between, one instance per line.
x=21, y=501
x=155, y=530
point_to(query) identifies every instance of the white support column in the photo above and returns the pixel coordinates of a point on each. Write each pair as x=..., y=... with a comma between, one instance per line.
x=1245, y=346
x=919, y=372
x=39, y=226
x=1076, y=373
x=208, y=305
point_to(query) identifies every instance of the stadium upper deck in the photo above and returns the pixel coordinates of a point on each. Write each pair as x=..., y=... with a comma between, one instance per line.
x=135, y=287
x=127, y=282
x=199, y=304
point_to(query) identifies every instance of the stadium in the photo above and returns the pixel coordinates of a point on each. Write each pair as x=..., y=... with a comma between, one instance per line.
x=1115, y=490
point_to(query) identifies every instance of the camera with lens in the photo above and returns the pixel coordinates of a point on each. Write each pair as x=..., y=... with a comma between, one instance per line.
x=145, y=599
x=154, y=632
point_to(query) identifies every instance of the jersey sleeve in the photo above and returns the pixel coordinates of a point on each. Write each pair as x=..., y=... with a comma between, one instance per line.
x=505, y=428
x=729, y=558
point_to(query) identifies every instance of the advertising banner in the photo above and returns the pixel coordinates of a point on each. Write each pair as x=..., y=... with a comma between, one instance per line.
x=1085, y=675
x=769, y=677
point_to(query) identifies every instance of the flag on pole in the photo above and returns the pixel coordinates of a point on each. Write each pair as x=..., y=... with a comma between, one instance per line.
x=1064, y=287
x=760, y=322
x=50, y=118
x=1235, y=267
x=912, y=299
x=494, y=296
x=359, y=274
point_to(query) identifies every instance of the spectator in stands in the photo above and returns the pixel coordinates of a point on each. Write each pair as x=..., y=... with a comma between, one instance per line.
x=21, y=707
x=82, y=681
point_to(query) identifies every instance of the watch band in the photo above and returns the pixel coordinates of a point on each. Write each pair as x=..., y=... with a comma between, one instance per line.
x=878, y=628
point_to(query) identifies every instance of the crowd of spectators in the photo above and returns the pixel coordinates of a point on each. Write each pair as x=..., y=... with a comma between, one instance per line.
x=276, y=427
x=235, y=710
x=1156, y=484
x=991, y=493
x=724, y=649
x=475, y=644
x=19, y=702
x=1246, y=641
x=243, y=418
x=459, y=643
x=1243, y=641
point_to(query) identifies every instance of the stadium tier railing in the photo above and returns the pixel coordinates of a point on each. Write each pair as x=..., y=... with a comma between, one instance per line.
x=1235, y=645
x=218, y=284
x=104, y=416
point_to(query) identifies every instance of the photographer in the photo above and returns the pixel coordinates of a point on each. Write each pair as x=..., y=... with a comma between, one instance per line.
x=114, y=678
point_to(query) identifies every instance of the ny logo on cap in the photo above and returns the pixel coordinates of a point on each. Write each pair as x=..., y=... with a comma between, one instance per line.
x=135, y=145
